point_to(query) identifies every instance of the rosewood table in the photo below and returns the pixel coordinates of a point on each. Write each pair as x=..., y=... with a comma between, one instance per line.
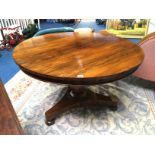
x=78, y=60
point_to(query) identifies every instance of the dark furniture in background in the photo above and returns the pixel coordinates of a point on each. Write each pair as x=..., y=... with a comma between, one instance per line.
x=9, y=124
x=30, y=30
x=101, y=21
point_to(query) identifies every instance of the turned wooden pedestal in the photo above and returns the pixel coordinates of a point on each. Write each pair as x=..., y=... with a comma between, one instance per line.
x=79, y=96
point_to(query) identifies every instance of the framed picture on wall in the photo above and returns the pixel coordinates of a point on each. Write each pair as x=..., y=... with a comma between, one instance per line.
x=128, y=28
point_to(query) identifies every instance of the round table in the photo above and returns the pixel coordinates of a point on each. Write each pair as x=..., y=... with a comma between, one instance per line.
x=78, y=59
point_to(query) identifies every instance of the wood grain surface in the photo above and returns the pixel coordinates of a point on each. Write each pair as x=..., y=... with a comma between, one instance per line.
x=9, y=124
x=78, y=58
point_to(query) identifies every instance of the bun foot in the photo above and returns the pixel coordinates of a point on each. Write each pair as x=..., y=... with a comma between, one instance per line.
x=113, y=108
x=49, y=123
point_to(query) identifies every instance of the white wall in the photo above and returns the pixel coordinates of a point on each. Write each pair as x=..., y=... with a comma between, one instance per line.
x=1, y=37
x=151, y=26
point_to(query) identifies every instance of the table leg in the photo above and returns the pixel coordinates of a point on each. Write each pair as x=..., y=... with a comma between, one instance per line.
x=77, y=96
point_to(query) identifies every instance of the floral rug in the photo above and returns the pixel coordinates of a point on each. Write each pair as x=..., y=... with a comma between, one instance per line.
x=135, y=114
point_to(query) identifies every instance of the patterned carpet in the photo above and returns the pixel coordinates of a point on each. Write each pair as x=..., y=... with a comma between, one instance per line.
x=135, y=114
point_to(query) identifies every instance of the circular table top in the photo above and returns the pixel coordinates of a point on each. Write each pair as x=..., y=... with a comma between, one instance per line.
x=78, y=58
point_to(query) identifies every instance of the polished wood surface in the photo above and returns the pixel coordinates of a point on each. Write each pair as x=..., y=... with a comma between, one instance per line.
x=9, y=124
x=78, y=58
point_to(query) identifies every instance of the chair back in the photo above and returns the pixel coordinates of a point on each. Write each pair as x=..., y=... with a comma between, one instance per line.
x=54, y=30
x=147, y=68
